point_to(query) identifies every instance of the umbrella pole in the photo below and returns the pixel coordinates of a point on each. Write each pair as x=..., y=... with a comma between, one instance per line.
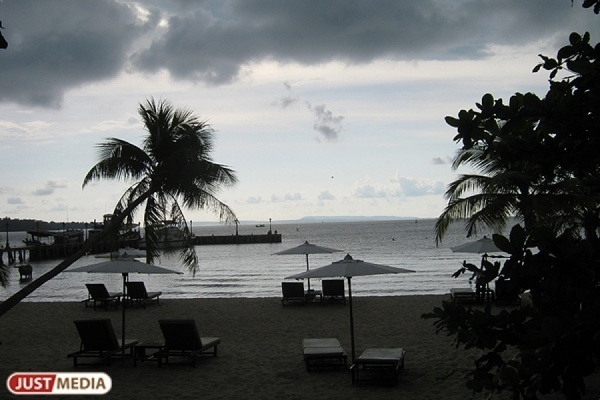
x=123, y=322
x=308, y=280
x=351, y=317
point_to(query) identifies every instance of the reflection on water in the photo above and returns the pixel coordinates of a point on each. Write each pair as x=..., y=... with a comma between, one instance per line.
x=251, y=270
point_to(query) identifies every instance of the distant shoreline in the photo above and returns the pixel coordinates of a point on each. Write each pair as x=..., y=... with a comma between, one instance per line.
x=24, y=225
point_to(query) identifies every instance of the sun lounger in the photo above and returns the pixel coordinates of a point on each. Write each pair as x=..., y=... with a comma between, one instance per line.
x=323, y=353
x=463, y=294
x=333, y=290
x=182, y=340
x=97, y=293
x=137, y=294
x=293, y=293
x=380, y=365
x=98, y=340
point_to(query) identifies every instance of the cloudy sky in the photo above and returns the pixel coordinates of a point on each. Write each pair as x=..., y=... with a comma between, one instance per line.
x=323, y=108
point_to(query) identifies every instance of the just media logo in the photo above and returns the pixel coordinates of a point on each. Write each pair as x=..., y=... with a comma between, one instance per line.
x=30, y=383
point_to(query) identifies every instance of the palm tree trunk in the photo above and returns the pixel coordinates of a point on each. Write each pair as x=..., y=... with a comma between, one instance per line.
x=16, y=298
x=27, y=290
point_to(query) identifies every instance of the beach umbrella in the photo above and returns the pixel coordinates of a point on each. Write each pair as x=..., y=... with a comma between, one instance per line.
x=483, y=245
x=348, y=268
x=123, y=266
x=308, y=248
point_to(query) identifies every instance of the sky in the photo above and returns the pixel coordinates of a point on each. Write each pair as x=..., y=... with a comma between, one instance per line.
x=328, y=108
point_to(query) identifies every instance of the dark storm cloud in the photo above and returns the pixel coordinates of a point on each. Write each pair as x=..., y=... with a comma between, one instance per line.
x=213, y=46
x=56, y=45
x=59, y=45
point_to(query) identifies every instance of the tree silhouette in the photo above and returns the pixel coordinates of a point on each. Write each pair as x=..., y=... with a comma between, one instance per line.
x=3, y=42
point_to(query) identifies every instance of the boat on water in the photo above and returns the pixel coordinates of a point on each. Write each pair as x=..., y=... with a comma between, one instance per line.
x=123, y=254
x=128, y=234
x=170, y=234
x=260, y=225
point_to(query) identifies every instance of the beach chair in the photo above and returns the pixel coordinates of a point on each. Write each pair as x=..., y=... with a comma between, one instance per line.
x=463, y=294
x=137, y=294
x=182, y=340
x=323, y=353
x=293, y=293
x=378, y=365
x=333, y=290
x=97, y=293
x=98, y=340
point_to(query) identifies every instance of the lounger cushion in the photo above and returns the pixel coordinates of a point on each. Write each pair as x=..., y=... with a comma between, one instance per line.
x=384, y=355
x=379, y=365
x=323, y=352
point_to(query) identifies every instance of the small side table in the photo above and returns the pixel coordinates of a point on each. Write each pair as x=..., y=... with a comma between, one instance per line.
x=140, y=351
x=313, y=296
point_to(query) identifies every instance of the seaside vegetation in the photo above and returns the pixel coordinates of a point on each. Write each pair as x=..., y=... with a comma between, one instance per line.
x=23, y=225
x=172, y=170
x=538, y=160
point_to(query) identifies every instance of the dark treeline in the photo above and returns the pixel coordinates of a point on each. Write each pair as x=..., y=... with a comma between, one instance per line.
x=22, y=225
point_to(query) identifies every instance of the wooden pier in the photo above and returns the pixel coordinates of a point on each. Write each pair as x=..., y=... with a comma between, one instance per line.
x=14, y=255
x=237, y=239
x=54, y=251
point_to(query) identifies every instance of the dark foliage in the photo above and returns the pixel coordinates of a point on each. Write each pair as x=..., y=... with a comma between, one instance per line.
x=540, y=160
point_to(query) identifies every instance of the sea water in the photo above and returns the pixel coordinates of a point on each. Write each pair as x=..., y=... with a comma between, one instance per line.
x=252, y=270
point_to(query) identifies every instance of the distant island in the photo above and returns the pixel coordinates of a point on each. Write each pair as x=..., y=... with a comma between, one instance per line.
x=318, y=219
x=352, y=219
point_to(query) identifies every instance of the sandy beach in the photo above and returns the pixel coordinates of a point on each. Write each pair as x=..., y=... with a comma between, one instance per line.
x=260, y=355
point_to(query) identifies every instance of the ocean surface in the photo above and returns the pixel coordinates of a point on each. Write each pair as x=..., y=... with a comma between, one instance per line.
x=252, y=270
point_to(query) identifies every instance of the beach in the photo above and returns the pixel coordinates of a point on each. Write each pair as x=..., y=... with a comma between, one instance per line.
x=260, y=355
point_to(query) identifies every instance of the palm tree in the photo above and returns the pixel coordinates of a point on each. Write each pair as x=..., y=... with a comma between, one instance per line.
x=486, y=199
x=173, y=169
x=174, y=165
x=512, y=179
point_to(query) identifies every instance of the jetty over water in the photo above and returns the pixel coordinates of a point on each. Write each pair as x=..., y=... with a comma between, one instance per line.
x=237, y=239
x=64, y=245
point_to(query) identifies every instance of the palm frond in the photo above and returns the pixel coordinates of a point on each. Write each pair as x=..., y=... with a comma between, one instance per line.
x=154, y=217
x=4, y=275
x=187, y=254
x=118, y=160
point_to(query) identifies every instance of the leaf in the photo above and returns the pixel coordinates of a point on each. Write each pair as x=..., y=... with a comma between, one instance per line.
x=565, y=52
x=487, y=101
x=551, y=64
x=509, y=376
x=574, y=38
x=453, y=122
x=502, y=243
x=518, y=236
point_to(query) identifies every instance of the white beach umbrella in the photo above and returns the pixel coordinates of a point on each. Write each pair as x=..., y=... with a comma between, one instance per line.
x=348, y=268
x=306, y=249
x=123, y=266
